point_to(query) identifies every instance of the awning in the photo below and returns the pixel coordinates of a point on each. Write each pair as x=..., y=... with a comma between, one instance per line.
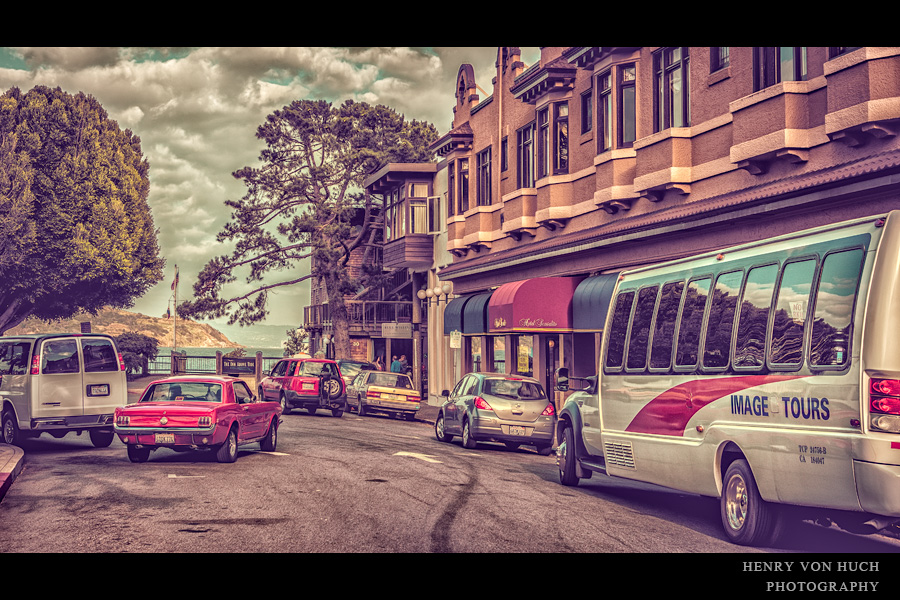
x=534, y=305
x=467, y=314
x=591, y=302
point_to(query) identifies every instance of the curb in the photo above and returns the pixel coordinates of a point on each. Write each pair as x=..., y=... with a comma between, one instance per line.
x=12, y=459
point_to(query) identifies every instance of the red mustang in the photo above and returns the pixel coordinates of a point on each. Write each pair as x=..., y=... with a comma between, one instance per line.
x=197, y=412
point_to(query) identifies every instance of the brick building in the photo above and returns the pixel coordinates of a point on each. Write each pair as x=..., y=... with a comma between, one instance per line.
x=597, y=159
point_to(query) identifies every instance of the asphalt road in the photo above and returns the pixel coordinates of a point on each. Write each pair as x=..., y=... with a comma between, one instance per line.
x=356, y=485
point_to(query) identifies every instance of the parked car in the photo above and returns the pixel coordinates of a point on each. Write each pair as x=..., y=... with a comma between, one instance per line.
x=310, y=383
x=512, y=409
x=351, y=368
x=383, y=391
x=60, y=383
x=214, y=412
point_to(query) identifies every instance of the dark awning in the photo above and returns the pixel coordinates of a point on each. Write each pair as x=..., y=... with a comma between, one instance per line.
x=591, y=302
x=475, y=314
x=467, y=314
x=533, y=305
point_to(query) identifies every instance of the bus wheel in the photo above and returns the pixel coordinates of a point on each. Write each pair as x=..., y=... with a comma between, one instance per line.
x=747, y=518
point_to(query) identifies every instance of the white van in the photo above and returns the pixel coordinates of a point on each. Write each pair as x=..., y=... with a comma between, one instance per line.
x=59, y=383
x=766, y=375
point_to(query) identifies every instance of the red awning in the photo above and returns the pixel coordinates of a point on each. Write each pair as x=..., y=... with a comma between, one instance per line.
x=533, y=305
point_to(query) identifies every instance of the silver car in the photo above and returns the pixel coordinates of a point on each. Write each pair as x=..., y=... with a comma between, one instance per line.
x=492, y=407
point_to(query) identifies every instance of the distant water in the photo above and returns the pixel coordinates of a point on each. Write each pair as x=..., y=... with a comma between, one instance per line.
x=249, y=352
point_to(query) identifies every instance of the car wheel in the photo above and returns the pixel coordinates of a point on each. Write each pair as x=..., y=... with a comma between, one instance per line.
x=747, y=518
x=311, y=410
x=337, y=412
x=285, y=407
x=565, y=458
x=269, y=442
x=101, y=439
x=361, y=408
x=439, y=432
x=11, y=434
x=511, y=445
x=138, y=455
x=467, y=440
x=227, y=452
x=545, y=449
x=332, y=389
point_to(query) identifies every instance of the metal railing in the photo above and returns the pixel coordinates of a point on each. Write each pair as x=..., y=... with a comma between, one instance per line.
x=362, y=313
x=162, y=364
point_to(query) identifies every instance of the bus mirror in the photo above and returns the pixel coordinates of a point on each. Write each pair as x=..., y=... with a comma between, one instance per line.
x=562, y=379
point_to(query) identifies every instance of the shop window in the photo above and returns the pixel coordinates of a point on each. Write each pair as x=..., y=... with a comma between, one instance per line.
x=720, y=323
x=525, y=355
x=688, y=345
x=791, y=310
x=664, y=328
x=750, y=340
x=499, y=344
x=475, y=353
x=640, y=329
x=829, y=344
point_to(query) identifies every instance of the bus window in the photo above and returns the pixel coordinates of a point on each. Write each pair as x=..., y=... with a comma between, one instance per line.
x=720, y=324
x=617, y=330
x=829, y=344
x=791, y=309
x=664, y=328
x=691, y=321
x=640, y=328
x=750, y=342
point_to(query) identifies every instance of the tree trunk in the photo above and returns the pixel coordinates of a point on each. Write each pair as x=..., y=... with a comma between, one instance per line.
x=340, y=319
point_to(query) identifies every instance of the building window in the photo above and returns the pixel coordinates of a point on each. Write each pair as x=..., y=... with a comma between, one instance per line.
x=484, y=178
x=718, y=58
x=435, y=223
x=835, y=51
x=451, y=189
x=627, y=106
x=543, y=143
x=525, y=156
x=587, y=112
x=672, y=107
x=604, y=111
x=463, y=185
x=504, y=155
x=561, y=138
x=773, y=65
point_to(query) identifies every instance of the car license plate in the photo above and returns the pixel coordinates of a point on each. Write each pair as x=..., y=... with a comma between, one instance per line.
x=98, y=390
x=393, y=397
x=165, y=438
x=516, y=430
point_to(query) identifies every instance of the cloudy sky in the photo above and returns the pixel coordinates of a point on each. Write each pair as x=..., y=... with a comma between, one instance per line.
x=196, y=111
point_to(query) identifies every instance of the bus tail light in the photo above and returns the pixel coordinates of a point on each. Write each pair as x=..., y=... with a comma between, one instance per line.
x=121, y=362
x=884, y=405
x=36, y=364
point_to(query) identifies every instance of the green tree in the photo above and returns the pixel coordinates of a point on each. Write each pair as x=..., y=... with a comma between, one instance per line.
x=299, y=205
x=137, y=351
x=296, y=341
x=73, y=209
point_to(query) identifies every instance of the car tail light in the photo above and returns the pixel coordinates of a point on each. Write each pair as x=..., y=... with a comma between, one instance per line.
x=36, y=364
x=372, y=394
x=884, y=404
x=204, y=421
x=121, y=362
x=549, y=411
x=122, y=421
x=482, y=404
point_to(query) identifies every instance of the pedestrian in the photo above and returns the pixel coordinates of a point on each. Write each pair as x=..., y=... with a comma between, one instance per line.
x=396, y=366
x=379, y=364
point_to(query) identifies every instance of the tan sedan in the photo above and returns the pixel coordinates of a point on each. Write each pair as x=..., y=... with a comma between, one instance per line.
x=380, y=391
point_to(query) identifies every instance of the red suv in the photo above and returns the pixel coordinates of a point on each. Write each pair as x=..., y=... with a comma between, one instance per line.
x=310, y=383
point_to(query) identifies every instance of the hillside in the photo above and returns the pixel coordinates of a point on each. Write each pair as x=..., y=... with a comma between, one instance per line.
x=115, y=322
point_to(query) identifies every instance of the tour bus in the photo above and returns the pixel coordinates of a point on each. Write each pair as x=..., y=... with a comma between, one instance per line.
x=766, y=375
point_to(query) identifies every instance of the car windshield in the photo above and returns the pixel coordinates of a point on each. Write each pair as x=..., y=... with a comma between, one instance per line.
x=350, y=370
x=393, y=380
x=512, y=388
x=184, y=391
x=311, y=369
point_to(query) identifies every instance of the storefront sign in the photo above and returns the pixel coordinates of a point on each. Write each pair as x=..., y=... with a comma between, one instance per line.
x=396, y=330
x=456, y=339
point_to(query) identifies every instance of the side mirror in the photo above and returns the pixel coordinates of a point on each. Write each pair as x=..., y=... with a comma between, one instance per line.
x=562, y=379
x=445, y=393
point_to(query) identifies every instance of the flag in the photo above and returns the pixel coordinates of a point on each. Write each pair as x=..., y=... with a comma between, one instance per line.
x=175, y=281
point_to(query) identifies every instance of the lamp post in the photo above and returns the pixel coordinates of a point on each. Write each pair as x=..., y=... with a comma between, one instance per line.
x=435, y=295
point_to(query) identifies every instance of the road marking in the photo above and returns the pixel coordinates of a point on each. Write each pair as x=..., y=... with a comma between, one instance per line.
x=425, y=457
x=270, y=453
x=173, y=476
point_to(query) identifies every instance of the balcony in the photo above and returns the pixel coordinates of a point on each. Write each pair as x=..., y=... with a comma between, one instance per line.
x=366, y=316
